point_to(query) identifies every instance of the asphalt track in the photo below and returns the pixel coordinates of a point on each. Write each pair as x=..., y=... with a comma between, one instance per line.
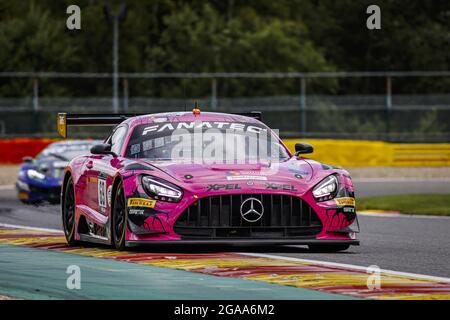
x=408, y=244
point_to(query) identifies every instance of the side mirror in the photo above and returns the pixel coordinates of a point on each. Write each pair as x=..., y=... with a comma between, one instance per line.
x=303, y=148
x=27, y=159
x=102, y=148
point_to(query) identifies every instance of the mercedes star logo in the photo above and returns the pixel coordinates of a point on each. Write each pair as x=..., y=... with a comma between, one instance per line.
x=252, y=209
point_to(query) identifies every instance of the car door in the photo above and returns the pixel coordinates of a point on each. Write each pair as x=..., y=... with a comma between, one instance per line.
x=100, y=172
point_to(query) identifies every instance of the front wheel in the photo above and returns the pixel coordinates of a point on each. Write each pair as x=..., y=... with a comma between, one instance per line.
x=328, y=248
x=119, y=219
x=68, y=212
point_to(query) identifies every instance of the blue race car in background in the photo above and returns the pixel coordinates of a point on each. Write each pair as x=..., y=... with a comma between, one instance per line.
x=40, y=178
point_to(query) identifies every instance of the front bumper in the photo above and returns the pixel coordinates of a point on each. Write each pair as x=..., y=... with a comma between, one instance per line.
x=34, y=193
x=207, y=217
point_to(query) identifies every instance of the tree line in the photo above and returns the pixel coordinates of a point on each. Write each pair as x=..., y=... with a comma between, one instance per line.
x=225, y=36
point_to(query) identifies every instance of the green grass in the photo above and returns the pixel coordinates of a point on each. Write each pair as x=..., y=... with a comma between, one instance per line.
x=424, y=204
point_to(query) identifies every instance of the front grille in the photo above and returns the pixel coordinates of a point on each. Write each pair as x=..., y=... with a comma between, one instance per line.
x=52, y=190
x=220, y=217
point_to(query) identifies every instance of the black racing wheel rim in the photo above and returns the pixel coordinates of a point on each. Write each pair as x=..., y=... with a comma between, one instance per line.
x=69, y=210
x=119, y=216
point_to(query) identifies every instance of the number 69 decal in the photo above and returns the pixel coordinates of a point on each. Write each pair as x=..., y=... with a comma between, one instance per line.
x=102, y=193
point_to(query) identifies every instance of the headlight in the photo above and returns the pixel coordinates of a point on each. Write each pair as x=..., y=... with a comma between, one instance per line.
x=35, y=175
x=161, y=189
x=326, y=189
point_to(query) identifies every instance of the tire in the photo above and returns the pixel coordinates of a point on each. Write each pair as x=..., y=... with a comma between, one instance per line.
x=119, y=219
x=68, y=212
x=324, y=248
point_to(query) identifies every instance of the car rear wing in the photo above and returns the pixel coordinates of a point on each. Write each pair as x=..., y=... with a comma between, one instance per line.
x=111, y=119
x=252, y=114
x=86, y=119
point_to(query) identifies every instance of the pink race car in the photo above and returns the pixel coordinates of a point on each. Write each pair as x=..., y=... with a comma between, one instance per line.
x=202, y=177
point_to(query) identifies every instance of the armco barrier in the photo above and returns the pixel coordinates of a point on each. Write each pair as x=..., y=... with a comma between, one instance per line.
x=346, y=153
x=13, y=150
x=359, y=153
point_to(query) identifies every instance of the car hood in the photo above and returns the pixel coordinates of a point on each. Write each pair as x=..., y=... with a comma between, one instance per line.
x=293, y=172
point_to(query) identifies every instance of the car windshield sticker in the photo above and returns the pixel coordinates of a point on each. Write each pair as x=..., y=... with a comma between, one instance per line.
x=135, y=148
x=167, y=127
x=159, y=142
x=147, y=145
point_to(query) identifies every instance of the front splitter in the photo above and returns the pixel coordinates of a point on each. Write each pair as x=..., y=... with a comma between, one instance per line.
x=253, y=242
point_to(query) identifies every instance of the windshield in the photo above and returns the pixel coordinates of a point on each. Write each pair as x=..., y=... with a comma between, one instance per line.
x=64, y=152
x=218, y=142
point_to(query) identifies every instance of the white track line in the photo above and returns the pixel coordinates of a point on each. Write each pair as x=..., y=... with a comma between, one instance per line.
x=399, y=215
x=7, y=187
x=347, y=266
x=7, y=225
x=270, y=256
